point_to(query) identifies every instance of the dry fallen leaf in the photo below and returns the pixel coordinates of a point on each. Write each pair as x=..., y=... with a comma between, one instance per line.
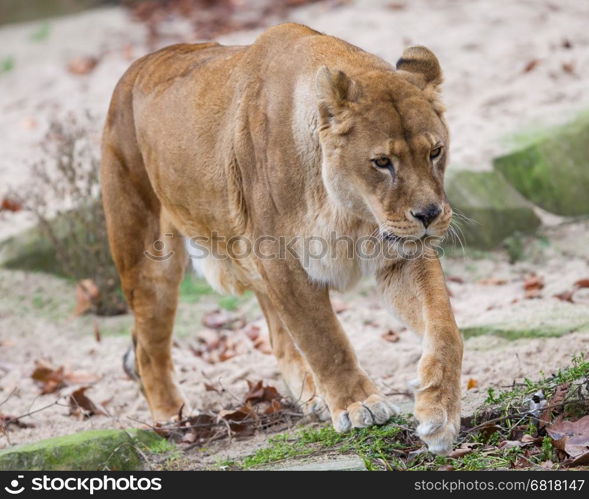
x=222, y=319
x=52, y=379
x=471, y=383
x=568, y=67
x=554, y=404
x=565, y=296
x=97, y=335
x=533, y=284
x=7, y=421
x=258, y=392
x=81, y=406
x=572, y=437
x=391, y=336
x=531, y=65
x=87, y=296
x=9, y=204
x=492, y=281
x=582, y=283
x=82, y=65
x=456, y=279
x=210, y=388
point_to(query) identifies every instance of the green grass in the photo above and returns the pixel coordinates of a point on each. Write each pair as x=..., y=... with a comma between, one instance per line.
x=41, y=33
x=394, y=446
x=6, y=64
x=579, y=370
x=370, y=444
x=516, y=334
x=192, y=289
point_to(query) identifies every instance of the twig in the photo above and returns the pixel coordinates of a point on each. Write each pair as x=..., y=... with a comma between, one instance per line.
x=9, y=395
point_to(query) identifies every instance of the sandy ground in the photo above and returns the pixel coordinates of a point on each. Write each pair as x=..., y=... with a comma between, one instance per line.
x=484, y=51
x=36, y=323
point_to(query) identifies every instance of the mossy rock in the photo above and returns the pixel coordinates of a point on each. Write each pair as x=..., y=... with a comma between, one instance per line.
x=35, y=250
x=30, y=250
x=85, y=451
x=495, y=209
x=552, y=169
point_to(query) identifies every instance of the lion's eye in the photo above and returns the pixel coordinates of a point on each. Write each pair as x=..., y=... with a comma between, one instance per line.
x=382, y=162
x=435, y=152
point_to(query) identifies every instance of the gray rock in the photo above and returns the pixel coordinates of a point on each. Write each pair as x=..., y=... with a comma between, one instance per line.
x=552, y=168
x=495, y=208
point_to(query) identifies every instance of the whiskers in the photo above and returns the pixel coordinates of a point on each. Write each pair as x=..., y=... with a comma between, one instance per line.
x=455, y=231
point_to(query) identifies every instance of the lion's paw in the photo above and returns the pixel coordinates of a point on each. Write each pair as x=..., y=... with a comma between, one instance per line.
x=437, y=430
x=375, y=410
x=316, y=407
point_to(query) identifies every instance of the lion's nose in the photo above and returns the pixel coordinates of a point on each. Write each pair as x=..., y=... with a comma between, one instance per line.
x=428, y=214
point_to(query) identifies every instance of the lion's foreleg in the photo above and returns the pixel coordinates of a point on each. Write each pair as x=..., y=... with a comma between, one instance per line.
x=417, y=292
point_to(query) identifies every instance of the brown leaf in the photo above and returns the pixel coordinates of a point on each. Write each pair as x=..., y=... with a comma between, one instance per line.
x=222, y=319
x=252, y=331
x=532, y=286
x=97, y=335
x=274, y=407
x=50, y=379
x=87, y=297
x=257, y=393
x=9, y=204
x=210, y=388
x=391, y=336
x=471, y=383
x=456, y=279
x=565, y=296
x=533, y=281
x=568, y=67
x=492, y=281
x=396, y=5
x=571, y=436
x=582, y=283
x=554, y=404
x=456, y=453
x=81, y=406
x=6, y=421
x=531, y=65
x=82, y=65
x=240, y=414
x=510, y=444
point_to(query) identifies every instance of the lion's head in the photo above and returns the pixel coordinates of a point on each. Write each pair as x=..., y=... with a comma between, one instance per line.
x=385, y=145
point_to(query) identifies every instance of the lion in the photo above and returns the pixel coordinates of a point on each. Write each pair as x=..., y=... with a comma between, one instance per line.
x=299, y=136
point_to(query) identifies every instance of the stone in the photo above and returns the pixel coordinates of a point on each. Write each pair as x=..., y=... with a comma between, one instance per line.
x=343, y=463
x=86, y=451
x=552, y=169
x=495, y=209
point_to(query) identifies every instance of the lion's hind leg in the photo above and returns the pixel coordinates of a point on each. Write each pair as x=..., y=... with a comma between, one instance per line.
x=294, y=368
x=150, y=258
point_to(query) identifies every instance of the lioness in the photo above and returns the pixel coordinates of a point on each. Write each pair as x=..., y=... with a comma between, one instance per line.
x=297, y=135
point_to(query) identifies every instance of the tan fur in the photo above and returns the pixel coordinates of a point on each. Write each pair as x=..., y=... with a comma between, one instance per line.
x=277, y=139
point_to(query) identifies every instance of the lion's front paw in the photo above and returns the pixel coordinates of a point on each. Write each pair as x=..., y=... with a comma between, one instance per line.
x=376, y=409
x=316, y=407
x=438, y=424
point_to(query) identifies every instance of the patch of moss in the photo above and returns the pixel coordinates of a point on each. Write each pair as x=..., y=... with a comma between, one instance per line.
x=89, y=450
x=551, y=169
x=370, y=444
x=516, y=334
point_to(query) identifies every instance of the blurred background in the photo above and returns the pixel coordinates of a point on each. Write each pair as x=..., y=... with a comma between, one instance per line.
x=517, y=96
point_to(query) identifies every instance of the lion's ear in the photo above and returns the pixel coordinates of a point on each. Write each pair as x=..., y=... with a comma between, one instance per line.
x=421, y=66
x=334, y=90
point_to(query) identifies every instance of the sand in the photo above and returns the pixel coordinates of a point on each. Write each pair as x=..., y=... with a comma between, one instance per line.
x=484, y=49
